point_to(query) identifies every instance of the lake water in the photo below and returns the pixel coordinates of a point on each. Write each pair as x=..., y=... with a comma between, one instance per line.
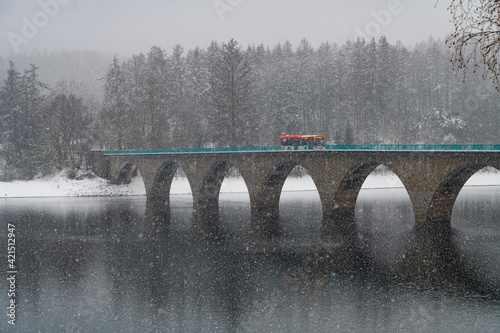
x=90, y=265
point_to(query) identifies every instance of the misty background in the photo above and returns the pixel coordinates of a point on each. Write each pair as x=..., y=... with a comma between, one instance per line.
x=87, y=75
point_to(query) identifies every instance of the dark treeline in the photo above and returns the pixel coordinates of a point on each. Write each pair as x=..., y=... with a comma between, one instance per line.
x=41, y=130
x=226, y=95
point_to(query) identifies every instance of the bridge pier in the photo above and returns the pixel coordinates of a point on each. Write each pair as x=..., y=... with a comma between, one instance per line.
x=205, y=217
x=338, y=210
x=157, y=215
x=265, y=193
x=265, y=220
x=432, y=256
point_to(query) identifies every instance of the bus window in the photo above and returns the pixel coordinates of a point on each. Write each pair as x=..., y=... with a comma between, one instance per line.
x=302, y=142
x=319, y=142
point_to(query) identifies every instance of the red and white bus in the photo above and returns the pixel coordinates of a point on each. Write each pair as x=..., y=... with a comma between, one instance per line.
x=302, y=142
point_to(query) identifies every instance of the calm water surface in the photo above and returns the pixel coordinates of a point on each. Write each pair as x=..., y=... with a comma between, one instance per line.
x=90, y=265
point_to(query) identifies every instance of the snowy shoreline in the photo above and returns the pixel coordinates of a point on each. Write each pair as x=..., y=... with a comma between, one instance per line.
x=60, y=185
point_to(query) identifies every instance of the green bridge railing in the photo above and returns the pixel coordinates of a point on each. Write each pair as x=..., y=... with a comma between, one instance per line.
x=425, y=147
x=193, y=150
x=382, y=147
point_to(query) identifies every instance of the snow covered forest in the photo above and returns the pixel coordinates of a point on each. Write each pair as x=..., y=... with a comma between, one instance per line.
x=56, y=106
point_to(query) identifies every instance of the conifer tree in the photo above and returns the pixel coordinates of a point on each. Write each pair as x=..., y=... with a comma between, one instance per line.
x=348, y=135
x=115, y=112
x=231, y=93
x=21, y=101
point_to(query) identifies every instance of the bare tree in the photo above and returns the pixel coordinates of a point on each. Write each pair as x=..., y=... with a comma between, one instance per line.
x=476, y=39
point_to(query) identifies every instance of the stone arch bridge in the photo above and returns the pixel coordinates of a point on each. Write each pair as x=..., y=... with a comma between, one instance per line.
x=432, y=178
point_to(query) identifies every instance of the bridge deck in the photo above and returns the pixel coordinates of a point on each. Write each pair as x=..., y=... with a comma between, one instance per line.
x=384, y=147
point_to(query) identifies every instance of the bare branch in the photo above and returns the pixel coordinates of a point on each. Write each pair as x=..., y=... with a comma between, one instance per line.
x=476, y=39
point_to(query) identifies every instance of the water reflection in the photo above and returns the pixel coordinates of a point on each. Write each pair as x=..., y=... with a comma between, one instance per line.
x=475, y=221
x=117, y=265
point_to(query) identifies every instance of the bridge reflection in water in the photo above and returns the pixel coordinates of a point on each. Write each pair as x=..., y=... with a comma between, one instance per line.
x=87, y=263
x=432, y=179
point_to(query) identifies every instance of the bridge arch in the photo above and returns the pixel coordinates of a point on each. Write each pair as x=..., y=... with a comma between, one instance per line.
x=162, y=180
x=347, y=192
x=215, y=175
x=265, y=197
x=475, y=208
x=297, y=208
x=212, y=181
x=384, y=217
x=339, y=214
x=206, y=194
x=124, y=173
x=443, y=200
x=272, y=184
x=276, y=177
x=158, y=182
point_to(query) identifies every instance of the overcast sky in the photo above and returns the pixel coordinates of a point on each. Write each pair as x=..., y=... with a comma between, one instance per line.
x=127, y=27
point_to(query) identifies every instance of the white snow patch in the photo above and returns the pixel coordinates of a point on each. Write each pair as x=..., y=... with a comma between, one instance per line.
x=59, y=185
